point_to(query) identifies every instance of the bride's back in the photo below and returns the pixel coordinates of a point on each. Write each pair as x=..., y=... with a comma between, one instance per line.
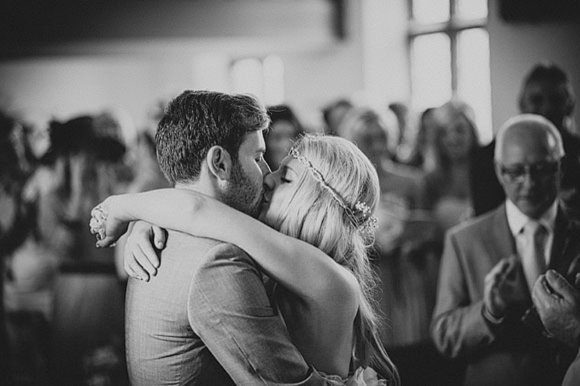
x=324, y=335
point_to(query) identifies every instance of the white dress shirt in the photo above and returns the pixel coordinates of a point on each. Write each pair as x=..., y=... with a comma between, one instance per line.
x=517, y=221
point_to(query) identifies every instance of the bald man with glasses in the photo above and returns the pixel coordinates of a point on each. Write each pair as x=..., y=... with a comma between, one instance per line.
x=484, y=313
x=547, y=91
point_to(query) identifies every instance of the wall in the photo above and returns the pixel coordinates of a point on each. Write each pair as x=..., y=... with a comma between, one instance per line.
x=128, y=74
x=35, y=26
x=386, y=59
x=368, y=62
x=516, y=47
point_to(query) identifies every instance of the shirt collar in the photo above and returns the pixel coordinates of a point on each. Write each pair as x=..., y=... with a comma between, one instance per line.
x=517, y=220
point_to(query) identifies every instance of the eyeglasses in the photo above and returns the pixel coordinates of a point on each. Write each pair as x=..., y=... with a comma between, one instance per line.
x=517, y=174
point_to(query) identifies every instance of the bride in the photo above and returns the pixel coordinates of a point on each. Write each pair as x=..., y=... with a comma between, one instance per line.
x=318, y=204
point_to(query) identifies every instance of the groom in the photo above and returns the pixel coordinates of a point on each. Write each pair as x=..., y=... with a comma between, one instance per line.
x=206, y=318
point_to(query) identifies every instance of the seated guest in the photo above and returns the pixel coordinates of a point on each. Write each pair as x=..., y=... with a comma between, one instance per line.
x=545, y=91
x=490, y=264
x=558, y=304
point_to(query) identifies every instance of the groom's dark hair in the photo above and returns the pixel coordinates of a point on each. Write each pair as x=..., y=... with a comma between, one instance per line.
x=195, y=121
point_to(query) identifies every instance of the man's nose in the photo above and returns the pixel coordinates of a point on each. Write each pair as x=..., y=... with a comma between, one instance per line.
x=265, y=168
x=530, y=179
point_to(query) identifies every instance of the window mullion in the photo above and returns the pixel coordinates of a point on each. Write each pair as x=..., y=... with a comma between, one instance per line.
x=452, y=8
x=454, y=67
x=453, y=39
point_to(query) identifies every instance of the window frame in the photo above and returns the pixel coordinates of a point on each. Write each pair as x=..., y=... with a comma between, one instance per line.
x=262, y=93
x=452, y=28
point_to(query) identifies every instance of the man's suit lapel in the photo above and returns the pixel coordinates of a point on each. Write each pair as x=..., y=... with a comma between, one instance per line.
x=566, y=246
x=504, y=243
x=501, y=242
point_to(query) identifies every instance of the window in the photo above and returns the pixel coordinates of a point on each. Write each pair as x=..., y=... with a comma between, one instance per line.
x=261, y=77
x=449, y=48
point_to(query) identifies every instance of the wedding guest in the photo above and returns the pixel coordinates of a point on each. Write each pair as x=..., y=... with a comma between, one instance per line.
x=422, y=154
x=285, y=127
x=333, y=113
x=546, y=91
x=445, y=190
x=483, y=312
x=16, y=165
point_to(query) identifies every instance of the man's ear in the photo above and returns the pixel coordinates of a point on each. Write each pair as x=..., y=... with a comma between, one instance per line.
x=498, y=173
x=219, y=162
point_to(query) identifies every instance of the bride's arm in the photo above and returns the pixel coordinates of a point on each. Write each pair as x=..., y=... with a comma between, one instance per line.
x=300, y=267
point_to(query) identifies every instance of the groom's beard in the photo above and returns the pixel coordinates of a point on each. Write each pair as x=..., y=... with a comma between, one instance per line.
x=242, y=193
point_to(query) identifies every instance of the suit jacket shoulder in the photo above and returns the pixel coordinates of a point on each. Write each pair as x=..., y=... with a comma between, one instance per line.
x=489, y=231
x=162, y=346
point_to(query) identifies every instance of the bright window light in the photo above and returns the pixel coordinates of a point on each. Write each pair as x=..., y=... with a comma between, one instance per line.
x=261, y=77
x=449, y=48
x=473, y=84
x=431, y=11
x=247, y=77
x=431, y=70
x=471, y=9
x=273, y=80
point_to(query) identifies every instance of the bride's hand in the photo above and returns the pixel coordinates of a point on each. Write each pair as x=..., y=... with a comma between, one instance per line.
x=106, y=223
x=140, y=257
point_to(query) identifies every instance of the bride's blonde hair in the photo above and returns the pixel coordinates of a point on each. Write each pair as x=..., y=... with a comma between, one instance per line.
x=315, y=215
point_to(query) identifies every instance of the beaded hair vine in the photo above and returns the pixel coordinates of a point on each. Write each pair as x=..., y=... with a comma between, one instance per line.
x=360, y=215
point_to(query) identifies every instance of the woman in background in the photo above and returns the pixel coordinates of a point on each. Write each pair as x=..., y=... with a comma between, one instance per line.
x=445, y=189
x=284, y=130
x=422, y=152
x=406, y=251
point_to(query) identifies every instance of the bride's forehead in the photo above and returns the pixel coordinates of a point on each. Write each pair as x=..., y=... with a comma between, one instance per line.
x=292, y=163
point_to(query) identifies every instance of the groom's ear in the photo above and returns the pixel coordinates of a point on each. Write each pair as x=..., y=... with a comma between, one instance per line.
x=219, y=162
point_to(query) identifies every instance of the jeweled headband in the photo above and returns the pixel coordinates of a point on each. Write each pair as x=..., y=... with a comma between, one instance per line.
x=360, y=215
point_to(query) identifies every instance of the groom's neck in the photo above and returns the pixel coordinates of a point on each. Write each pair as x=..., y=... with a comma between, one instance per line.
x=205, y=183
x=201, y=186
x=196, y=186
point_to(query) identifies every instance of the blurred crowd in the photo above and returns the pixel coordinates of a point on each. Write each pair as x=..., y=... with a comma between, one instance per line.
x=63, y=298
x=436, y=176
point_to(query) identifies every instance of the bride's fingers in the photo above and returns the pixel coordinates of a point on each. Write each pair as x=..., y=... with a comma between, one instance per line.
x=145, y=256
x=133, y=268
x=130, y=271
x=106, y=242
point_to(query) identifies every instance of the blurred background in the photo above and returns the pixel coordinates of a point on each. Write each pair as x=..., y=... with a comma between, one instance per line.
x=83, y=83
x=64, y=57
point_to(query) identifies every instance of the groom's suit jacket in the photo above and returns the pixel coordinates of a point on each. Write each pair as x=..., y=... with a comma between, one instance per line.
x=513, y=352
x=206, y=319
